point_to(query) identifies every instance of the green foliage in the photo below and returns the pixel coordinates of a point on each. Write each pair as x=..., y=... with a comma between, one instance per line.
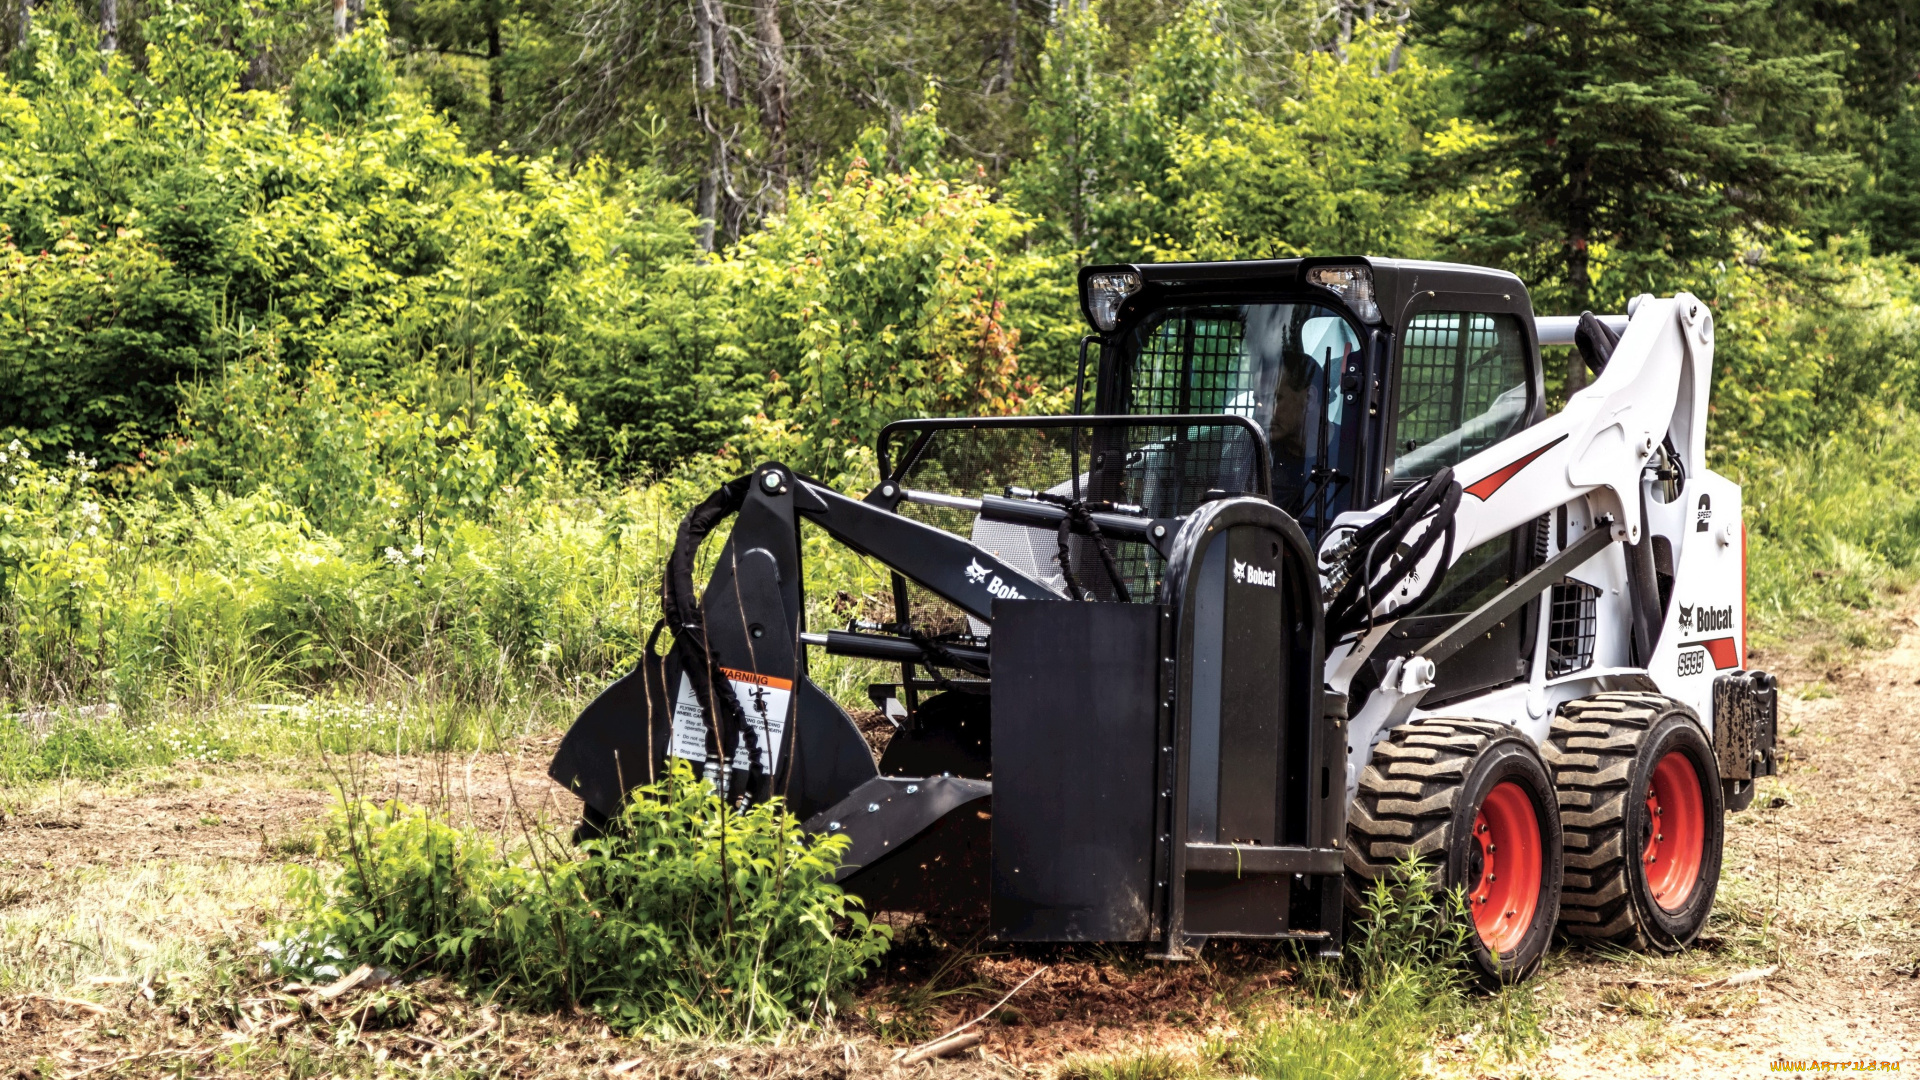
x=1808, y=340
x=351, y=86
x=1180, y=158
x=1888, y=202
x=1833, y=526
x=1641, y=133
x=1353, y=164
x=383, y=464
x=880, y=296
x=1404, y=982
x=213, y=596
x=685, y=919
x=94, y=336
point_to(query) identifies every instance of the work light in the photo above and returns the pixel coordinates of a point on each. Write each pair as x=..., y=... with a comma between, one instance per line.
x=1105, y=294
x=1354, y=284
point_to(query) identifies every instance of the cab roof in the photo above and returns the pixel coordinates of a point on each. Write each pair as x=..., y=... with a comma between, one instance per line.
x=1396, y=284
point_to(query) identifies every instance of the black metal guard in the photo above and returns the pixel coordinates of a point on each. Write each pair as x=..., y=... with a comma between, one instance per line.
x=1161, y=466
x=926, y=430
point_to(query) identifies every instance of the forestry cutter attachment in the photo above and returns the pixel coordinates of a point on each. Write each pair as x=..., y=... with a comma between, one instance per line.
x=1318, y=588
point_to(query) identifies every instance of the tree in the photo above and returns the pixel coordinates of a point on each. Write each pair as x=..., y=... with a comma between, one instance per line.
x=1889, y=206
x=1638, y=130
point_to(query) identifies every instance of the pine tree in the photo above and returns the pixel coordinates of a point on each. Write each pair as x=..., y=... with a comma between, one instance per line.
x=1889, y=206
x=1644, y=130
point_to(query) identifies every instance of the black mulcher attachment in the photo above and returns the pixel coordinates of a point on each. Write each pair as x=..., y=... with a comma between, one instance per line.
x=1155, y=766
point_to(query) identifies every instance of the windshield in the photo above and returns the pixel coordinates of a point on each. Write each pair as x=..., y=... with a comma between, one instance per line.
x=1277, y=364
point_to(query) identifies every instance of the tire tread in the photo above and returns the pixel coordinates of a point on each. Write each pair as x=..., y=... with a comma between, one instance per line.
x=1590, y=751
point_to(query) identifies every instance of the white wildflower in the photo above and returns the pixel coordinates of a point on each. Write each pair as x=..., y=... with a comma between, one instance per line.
x=396, y=556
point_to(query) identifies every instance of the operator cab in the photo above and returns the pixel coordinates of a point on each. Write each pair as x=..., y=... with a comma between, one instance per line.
x=1366, y=375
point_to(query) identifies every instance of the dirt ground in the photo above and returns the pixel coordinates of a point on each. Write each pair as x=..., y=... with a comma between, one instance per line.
x=164, y=873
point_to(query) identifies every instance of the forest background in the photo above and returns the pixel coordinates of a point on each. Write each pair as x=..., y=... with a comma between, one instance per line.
x=356, y=364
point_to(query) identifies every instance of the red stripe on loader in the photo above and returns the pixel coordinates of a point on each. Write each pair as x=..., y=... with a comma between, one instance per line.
x=1725, y=652
x=1484, y=488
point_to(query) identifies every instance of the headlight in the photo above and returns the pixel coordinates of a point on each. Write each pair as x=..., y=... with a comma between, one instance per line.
x=1354, y=284
x=1105, y=294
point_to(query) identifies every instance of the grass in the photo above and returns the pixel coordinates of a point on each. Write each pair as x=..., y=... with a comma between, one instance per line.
x=1833, y=533
x=1399, y=1001
x=99, y=927
x=65, y=743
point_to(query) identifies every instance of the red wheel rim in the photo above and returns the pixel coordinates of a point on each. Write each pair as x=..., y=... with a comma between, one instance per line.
x=1676, y=831
x=1506, y=886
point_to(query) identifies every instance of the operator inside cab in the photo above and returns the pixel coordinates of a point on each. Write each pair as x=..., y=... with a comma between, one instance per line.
x=1277, y=364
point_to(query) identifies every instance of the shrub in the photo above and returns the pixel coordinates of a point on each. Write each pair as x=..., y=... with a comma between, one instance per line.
x=687, y=918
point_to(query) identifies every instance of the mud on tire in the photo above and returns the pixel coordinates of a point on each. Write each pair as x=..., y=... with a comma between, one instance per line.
x=1607, y=754
x=1424, y=794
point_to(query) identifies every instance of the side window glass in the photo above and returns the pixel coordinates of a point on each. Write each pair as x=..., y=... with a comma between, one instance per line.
x=1461, y=387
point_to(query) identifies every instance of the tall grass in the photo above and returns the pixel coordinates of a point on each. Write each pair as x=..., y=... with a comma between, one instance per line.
x=1833, y=529
x=146, y=629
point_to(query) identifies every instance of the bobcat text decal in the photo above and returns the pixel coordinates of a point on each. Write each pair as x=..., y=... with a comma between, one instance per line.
x=1249, y=574
x=1702, y=620
x=977, y=574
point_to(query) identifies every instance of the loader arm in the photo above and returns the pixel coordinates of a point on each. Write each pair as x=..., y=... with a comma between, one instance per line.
x=952, y=567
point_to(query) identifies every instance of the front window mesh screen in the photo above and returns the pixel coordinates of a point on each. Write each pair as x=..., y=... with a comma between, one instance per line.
x=1277, y=364
x=1194, y=362
x=1461, y=386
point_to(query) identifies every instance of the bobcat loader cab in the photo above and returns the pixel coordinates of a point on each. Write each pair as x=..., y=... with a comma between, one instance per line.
x=1316, y=586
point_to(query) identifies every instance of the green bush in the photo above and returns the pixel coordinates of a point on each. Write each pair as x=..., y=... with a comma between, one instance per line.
x=687, y=918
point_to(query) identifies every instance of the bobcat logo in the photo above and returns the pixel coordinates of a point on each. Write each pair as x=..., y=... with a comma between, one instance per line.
x=1686, y=619
x=1249, y=574
x=975, y=572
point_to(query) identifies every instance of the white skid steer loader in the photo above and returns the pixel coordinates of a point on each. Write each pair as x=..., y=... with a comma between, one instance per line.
x=1316, y=587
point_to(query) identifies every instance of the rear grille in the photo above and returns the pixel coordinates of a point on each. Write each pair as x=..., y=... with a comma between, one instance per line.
x=1570, y=627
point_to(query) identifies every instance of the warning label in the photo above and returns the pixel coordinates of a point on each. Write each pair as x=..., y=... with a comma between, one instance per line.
x=763, y=700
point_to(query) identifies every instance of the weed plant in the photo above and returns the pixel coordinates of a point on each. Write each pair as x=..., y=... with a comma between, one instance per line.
x=1379, y=1013
x=687, y=918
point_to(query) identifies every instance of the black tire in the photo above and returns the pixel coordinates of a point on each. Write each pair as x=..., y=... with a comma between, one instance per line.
x=1604, y=751
x=949, y=733
x=1427, y=783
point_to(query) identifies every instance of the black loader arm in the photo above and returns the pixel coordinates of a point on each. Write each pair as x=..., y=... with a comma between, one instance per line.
x=731, y=696
x=952, y=567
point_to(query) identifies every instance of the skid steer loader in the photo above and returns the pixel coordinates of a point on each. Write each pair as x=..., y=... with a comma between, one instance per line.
x=1314, y=586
